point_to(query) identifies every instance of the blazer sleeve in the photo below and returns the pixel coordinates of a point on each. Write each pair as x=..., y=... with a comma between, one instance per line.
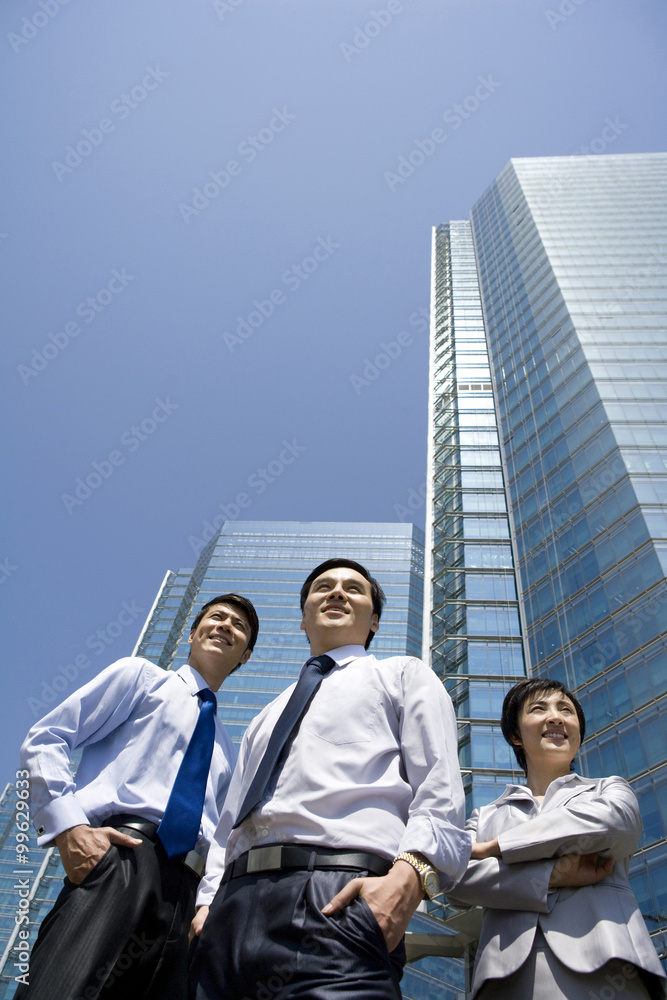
x=603, y=820
x=495, y=884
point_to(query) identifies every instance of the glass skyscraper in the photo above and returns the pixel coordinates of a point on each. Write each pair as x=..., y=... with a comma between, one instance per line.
x=546, y=527
x=472, y=619
x=570, y=254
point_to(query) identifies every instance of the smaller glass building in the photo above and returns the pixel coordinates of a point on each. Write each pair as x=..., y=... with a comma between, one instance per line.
x=267, y=561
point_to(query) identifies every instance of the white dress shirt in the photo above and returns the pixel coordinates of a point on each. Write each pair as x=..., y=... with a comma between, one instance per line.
x=134, y=722
x=373, y=767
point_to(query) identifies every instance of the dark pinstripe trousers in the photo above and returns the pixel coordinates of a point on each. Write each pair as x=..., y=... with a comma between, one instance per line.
x=120, y=934
x=266, y=939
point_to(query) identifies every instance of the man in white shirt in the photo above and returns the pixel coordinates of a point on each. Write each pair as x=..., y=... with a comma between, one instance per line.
x=322, y=875
x=119, y=926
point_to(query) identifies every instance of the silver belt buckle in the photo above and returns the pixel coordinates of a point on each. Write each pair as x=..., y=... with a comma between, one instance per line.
x=195, y=863
x=264, y=859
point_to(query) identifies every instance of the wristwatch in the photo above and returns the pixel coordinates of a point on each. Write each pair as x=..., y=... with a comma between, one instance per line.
x=428, y=876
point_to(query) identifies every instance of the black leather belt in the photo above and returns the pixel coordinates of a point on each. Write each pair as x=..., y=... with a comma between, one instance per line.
x=280, y=856
x=134, y=823
x=191, y=860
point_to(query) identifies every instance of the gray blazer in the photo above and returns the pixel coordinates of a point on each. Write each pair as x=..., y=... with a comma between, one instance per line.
x=584, y=927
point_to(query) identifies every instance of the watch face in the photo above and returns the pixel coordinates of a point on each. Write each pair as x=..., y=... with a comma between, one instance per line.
x=431, y=883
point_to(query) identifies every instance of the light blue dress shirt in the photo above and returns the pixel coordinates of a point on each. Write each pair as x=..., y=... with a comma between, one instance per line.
x=134, y=722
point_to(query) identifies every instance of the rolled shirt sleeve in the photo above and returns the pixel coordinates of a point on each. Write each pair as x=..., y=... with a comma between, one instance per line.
x=429, y=746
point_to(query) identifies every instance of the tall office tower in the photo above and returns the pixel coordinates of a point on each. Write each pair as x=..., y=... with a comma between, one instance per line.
x=472, y=621
x=571, y=258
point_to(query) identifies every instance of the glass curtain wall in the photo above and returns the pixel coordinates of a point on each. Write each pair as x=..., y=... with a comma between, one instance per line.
x=472, y=621
x=572, y=260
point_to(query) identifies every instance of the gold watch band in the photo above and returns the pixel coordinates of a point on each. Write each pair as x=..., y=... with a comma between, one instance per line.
x=427, y=874
x=413, y=860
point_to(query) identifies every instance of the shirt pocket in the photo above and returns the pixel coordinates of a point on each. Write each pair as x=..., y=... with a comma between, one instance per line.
x=343, y=721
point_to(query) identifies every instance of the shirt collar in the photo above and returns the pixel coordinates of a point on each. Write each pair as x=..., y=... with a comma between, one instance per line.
x=193, y=680
x=345, y=654
x=523, y=792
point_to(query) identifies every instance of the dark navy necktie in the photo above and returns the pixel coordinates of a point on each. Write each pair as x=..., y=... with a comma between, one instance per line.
x=179, y=828
x=309, y=681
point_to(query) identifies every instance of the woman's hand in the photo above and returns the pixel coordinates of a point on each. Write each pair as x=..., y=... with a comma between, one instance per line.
x=485, y=849
x=574, y=870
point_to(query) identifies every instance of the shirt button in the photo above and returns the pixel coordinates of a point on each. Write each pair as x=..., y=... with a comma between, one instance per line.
x=40, y=830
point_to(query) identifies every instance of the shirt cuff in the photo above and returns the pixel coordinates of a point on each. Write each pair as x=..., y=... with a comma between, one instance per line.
x=59, y=815
x=449, y=852
x=208, y=888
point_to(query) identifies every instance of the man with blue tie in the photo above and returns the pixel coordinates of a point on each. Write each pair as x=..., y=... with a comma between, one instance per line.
x=345, y=810
x=134, y=826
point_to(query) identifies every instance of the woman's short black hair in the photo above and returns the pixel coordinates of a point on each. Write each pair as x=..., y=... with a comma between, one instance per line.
x=377, y=593
x=514, y=702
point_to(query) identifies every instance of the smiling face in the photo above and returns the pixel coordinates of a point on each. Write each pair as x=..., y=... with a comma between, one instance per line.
x=338, y=610
x=549, y=731
x=219, y=643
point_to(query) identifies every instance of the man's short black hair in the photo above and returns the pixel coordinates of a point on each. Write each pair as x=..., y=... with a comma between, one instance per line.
x=377, y=593
x=515, y=700
x=243, y=604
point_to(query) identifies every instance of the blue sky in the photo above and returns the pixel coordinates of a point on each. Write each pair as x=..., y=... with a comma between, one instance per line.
x=218, y=216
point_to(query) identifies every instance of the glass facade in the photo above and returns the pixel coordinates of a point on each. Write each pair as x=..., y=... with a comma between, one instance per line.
x=472, y=619
x=572, y=265
x=267, y=561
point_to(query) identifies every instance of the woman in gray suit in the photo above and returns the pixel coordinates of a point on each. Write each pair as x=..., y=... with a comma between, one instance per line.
x=550, y=867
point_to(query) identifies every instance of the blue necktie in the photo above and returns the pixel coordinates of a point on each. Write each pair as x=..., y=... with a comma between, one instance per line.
x=179, y=828
x=309, y=681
